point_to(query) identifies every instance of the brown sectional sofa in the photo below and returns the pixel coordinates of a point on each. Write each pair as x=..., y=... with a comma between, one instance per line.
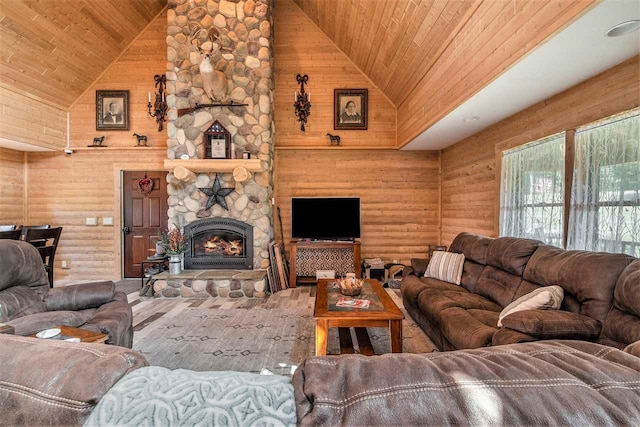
x=601, y=302
x=29, y=305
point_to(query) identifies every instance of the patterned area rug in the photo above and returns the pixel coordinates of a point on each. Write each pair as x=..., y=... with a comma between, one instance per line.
x=208, y=339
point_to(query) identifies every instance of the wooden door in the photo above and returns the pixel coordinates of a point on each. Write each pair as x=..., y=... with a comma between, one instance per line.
x=144, y=215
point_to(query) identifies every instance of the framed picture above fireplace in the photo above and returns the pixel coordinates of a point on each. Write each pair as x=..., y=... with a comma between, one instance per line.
x=217, y=142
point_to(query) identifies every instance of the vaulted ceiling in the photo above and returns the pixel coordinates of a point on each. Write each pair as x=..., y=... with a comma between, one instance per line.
x=54, y=49
x=394, y=42
x=429, y=56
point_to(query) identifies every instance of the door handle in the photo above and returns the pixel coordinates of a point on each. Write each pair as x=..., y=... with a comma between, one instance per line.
x=126, y=230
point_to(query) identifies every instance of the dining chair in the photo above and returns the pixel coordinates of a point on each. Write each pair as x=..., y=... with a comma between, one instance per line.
x=11, y=235
x=46, y=241
x=34, y=227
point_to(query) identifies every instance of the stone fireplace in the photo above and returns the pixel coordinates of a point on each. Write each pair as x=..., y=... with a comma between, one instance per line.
x=219, y=243
x=245, y=58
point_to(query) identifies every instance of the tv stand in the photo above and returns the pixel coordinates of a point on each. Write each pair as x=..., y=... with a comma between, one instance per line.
x=299, y=246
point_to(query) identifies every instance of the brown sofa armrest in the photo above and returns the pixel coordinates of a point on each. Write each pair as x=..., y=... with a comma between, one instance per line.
x=114, y=319
x=49, y=382
x=80, y=297
x=553, y=324
x=633, y=348
x=419, y=266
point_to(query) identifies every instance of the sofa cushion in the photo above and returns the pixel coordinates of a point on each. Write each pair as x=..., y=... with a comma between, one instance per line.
x=622, y=324
x=487, y=317
x=543, y=383
x=511, y=254
x=590, y=277
x=20, y=301
x=543, y=298
x=620, y=327
x=28, y=325
x=445, y=266
x=471, y=272
x=553, y=324
x=432, y=302
x=627, y=291
x=463, y=330
x=411, y=286
x=48, y=382
x=473, y=246
x=498, y=285
x=21, y=265
x=505, y=336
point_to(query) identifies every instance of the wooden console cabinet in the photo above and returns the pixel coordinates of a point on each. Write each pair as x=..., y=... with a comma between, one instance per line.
x=297, y=246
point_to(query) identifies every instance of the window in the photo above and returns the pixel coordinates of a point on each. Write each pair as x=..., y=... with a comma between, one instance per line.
x=532, y=191
x=604, y=207
x=605, y=200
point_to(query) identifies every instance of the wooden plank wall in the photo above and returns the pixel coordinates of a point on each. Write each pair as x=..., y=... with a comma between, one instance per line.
x=134, y=72
x=399, y=193
x=32, y=122
x=12, y=187
x=470, y=194
x=64, y=190
x=302, y=48
x=496, y=36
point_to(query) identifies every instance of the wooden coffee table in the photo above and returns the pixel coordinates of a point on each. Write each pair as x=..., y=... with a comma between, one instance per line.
x=83, y=334
x=382, y=313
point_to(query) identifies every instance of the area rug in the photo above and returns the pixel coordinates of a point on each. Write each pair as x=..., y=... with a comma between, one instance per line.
x=256, y=340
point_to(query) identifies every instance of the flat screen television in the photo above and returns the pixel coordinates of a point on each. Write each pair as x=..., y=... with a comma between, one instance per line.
x=330, y=218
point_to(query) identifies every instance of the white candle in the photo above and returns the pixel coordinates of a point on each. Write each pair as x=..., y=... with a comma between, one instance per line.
x=149, y=96
x=309, y=97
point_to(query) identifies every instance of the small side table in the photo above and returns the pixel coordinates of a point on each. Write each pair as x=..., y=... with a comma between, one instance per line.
x=147, y=288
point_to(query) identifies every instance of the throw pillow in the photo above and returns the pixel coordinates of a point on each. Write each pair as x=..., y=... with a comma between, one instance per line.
x=445, y=266
x=543, y=298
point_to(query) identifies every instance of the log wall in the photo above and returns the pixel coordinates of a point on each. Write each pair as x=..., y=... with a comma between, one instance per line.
x=65, y=190
x=12, y=187
x=470, y=185
x=302, y=48
x=399, y=194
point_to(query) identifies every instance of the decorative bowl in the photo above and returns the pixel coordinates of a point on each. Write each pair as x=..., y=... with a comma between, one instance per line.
x=350, y=287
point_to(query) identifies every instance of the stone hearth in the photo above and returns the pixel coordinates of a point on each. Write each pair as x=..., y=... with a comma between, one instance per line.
x=246, y=39
x=211, y=283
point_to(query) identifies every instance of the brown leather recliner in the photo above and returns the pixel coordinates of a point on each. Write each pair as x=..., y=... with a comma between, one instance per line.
x=601, y=302
x=29, y=305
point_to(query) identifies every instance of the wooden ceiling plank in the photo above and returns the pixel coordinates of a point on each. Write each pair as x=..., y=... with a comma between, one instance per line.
x=69, y=43
x=372, y=18
x=454, y=57
x=532, y=30
x=403, y=44
x=426, y=56
x=379, y=36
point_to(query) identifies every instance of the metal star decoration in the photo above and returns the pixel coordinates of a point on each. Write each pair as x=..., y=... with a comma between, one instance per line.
x=216, y=194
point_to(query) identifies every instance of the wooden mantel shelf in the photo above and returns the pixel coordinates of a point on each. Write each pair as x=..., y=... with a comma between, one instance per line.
x=213, y=165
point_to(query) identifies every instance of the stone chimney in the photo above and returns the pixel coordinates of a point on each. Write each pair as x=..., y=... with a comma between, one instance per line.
x=245, y=33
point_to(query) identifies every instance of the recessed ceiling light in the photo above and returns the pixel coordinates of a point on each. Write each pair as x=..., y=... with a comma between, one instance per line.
x=624, y=28
x=471, y=119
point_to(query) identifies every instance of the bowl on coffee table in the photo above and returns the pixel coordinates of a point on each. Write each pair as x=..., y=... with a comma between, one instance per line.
x=350, y=286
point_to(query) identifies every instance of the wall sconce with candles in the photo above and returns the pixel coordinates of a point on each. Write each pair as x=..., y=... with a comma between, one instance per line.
x=302, y=101
x=160, y=105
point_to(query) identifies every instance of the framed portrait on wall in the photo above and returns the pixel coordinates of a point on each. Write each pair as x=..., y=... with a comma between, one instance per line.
x=112, y=110
x=350, y=109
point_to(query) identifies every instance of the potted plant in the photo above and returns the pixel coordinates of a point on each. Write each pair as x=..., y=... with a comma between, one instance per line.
x=175, y=243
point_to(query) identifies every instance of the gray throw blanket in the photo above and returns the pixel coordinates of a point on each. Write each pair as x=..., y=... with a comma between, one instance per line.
x=161, y=397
